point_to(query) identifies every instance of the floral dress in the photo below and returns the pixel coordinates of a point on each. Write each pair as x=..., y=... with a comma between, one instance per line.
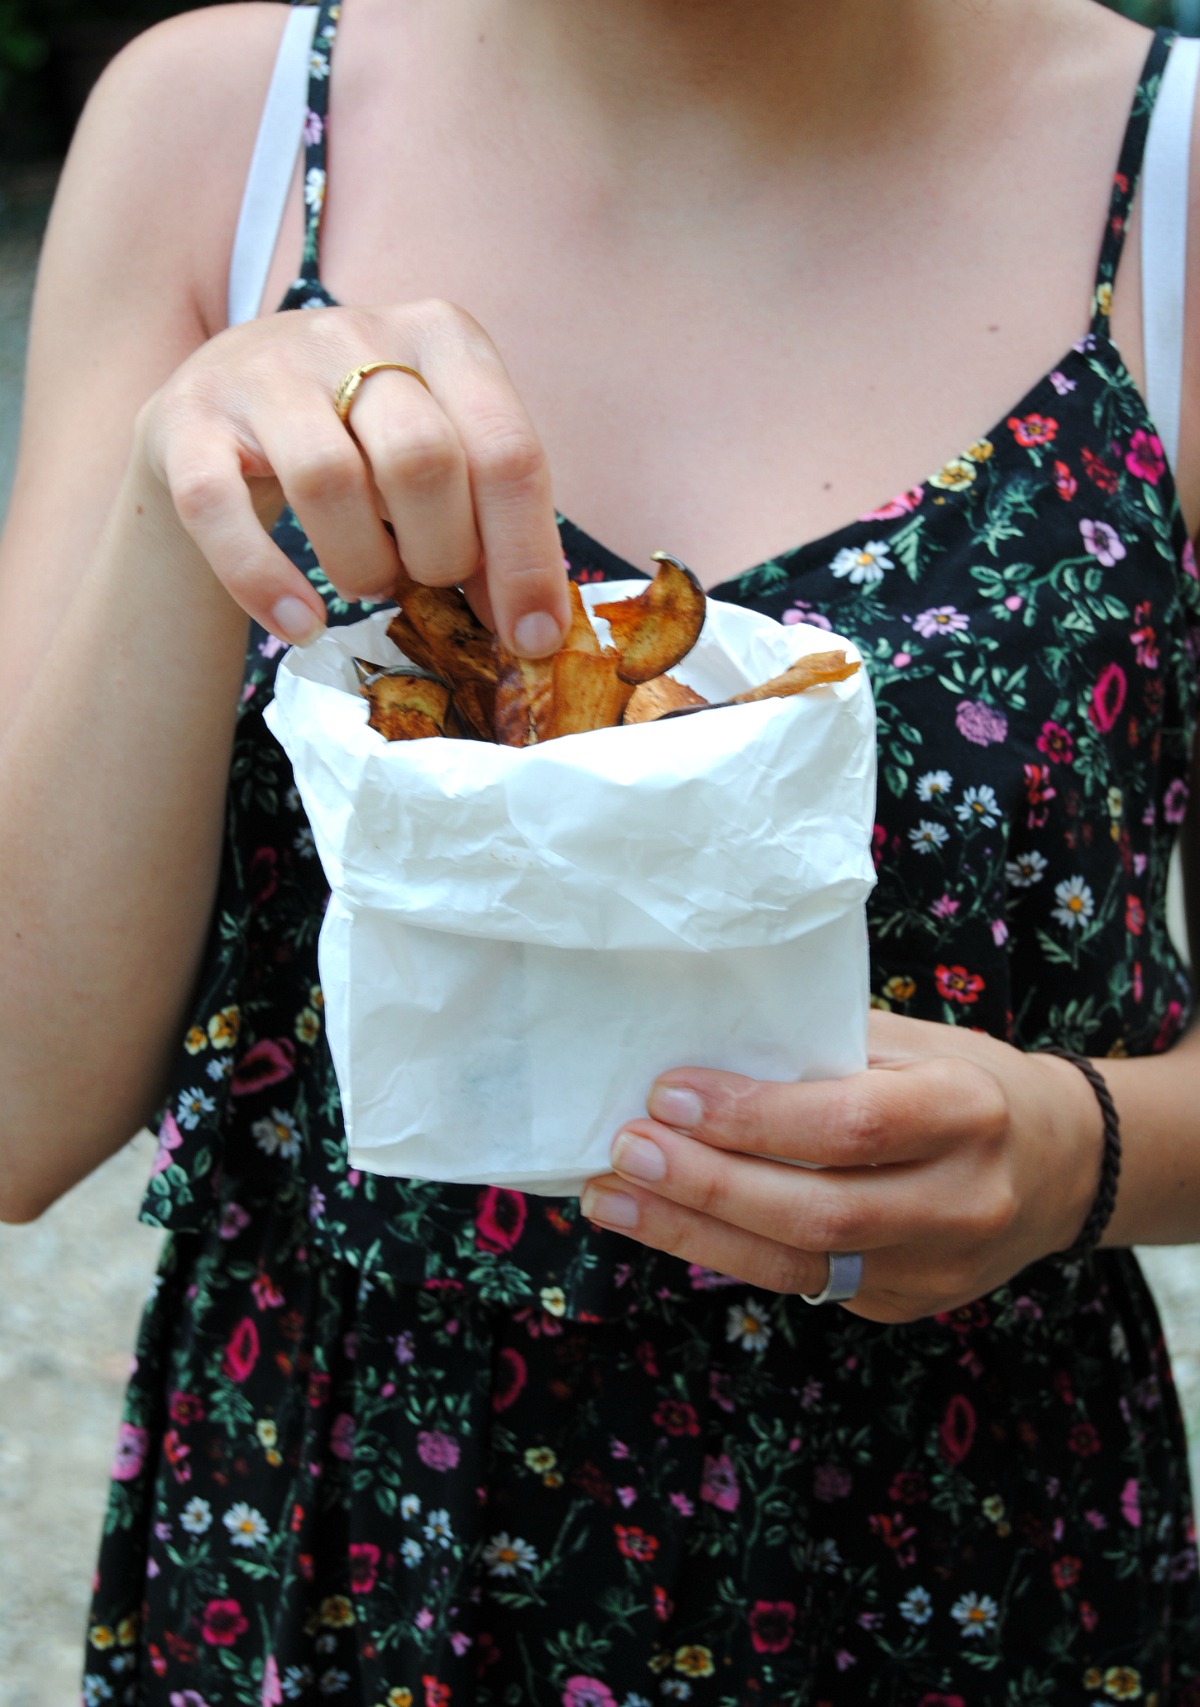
x=391, y=1443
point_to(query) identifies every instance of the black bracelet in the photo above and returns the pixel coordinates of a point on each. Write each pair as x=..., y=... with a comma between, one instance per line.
x=1105, y=1200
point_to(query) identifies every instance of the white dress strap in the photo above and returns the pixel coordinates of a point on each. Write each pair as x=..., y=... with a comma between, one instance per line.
x=280, y=133
x=1164, y=191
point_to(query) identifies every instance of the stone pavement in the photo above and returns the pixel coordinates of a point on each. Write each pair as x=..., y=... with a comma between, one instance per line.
x=71, y=1285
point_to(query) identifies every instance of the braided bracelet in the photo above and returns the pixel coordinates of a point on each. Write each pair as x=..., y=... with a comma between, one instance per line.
x=1105, y=1200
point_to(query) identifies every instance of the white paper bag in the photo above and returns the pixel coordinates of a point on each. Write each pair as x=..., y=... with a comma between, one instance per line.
x=521, y=939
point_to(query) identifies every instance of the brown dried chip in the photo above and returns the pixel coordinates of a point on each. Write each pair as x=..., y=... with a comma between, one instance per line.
x=815, y=670
x=659, y=627
x=437, y=629
x=404, y=706
x=655, y=698
x=586, y=693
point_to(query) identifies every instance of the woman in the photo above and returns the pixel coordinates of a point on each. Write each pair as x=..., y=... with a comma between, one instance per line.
x=732, y=278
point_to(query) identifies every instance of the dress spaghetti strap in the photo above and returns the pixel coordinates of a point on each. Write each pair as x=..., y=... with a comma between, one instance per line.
x=1125, y=183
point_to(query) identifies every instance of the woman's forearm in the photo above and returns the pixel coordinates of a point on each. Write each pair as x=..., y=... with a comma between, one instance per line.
x=1158, y=1101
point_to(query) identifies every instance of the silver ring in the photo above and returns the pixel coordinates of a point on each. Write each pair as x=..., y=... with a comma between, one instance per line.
x=845, y=1278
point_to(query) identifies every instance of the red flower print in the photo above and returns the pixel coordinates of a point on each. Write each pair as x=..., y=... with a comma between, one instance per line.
x=319, y=1386
x=499, y=1219
x=941, y=1701
x=771, y=1625
x=1083, y=1440
x=176, y=1455
x=1056, y=743
x=1135, y=916
x=1108, y=697
x=893, y=1532
x=908, y=1488
x=436, y=1694
x=1066, y=1572
x=223, y=1621
x=1037, y=792
x=185, y=1409
x=1099, y=473
x=341, y=1437
x=719, y=1486
x=263, y=876
x=956, y=1436
x=956, y=984
x=1065, y=481
x=664, y=1606
x=634, y=1543
x=1169, y=1029
x=1033, y=430
x=364, y=1566
x=241, y=1354
x=267, y=1062
x=1145, y=457
x=511, y=1376
x=179, y=1649
x=676, y=1416
x=266, y=1294
x=1144, y=638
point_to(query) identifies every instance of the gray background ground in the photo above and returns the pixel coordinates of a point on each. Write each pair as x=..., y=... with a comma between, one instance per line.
x=71, y=1285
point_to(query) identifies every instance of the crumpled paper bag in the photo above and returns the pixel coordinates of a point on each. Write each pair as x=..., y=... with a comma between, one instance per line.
x=521, y=939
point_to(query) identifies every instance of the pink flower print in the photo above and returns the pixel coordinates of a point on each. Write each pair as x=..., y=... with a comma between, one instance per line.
x=1188, y=560
x=266, y=1294
x=423, y=1619
x=999, y=932
x=272, y=646
x=272, y=1689
x=223, y=1622
x=234, y=1220
x=942, y=620
x=771, y=1625
x=267, y=1062
x=1175, y=802
x=902, y=660
x=1144, y=638
x=802, y=611
x=1108, y=698
x=979, y=723
x=499, y=1219
x=314, y=127
x=1103, y=542
x=241, y=1354
x=703, y=1279
x=1131, y=1503
x=902, y=505
x=587, y=1692
x=944, y=907
x=1013, y=602
x=627, y=1497
x=830, y=1482
x=440, y=1451
x=1061, y=383
x=341, y=1437
x=719, y=1485
x=1145, y=457
x=1057, y=743
x=364, y=1566
x=264, y=876
x=130, y=1454
x=169, y=1138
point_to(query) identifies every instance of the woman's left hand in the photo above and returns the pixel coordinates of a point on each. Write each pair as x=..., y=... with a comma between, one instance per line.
x=952, y=1162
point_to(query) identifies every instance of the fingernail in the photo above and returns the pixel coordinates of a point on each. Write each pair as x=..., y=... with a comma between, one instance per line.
x=537, y=634
x=612, y=1208
x=675, y=1106
x=638, y=1157
x=295, y=621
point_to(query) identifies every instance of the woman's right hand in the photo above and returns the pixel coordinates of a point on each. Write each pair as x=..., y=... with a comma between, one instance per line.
x=247, y=423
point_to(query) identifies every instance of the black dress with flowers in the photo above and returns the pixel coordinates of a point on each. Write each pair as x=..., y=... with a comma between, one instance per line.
x=391, y=1443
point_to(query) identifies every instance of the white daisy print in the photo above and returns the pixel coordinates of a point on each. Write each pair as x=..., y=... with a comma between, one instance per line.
x=1026, y=870
x=980, y=804
x=1076, y=903
x=247, y=1527
x=439, y=1528
x=504, y=1556
x=277, y=1136
x=411, y=1552
x=193, y=1105
x=934, y=785
x=410, y=1505
x=196, y=1516
x=917, y=1606
x=864, y=565
x=927, y=837
x=745, y=1322
x=977, y=1613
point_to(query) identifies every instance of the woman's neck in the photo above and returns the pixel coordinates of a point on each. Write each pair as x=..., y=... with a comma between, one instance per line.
x=714, y=77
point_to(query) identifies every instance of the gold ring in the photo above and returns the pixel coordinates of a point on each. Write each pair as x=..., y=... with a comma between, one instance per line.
x=343, y=397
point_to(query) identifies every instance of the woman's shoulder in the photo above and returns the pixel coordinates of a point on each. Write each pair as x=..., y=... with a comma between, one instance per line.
x=169, y=129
